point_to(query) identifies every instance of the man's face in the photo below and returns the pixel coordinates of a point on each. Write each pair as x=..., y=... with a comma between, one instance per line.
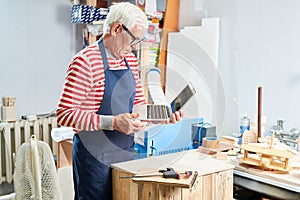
x=127, y=40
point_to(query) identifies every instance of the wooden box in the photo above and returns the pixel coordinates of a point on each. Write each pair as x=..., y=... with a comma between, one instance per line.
x=215, y=179
x=9, y=113
x=64, y=153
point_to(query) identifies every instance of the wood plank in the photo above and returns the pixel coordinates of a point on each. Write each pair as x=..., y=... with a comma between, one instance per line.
x=195, y=192
x=224, y=185
x=147, y=191
x=182, y=182
x=187, y=160
x=208, y=186
x=123, y=189
x=64, y=153
x=166, y=192
x=133, y=191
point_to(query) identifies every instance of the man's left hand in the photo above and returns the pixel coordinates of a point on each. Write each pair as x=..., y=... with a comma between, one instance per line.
x=175, y=117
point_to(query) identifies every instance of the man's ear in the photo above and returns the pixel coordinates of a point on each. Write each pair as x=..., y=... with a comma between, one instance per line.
x=116, y=28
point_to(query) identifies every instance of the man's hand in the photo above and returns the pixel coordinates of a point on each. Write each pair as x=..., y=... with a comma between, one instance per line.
x=175, y=117
x=127, y=123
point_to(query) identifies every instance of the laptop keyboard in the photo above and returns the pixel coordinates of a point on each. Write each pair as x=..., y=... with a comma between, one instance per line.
x=157, y=112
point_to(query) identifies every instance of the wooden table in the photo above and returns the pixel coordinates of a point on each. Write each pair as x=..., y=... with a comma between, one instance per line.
x=215, y=177
x=214, y=181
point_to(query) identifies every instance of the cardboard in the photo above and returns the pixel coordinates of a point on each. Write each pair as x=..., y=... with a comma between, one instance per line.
x=9, y=113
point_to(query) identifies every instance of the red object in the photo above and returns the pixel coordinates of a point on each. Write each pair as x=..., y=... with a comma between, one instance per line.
x=188, y=174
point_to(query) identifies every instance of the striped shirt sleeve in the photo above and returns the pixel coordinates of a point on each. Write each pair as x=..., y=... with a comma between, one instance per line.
x=83, y=90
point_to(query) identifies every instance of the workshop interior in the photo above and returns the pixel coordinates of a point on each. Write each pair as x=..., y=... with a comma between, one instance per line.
x=232, y=67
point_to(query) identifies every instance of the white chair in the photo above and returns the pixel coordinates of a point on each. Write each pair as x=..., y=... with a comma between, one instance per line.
x=35, y=175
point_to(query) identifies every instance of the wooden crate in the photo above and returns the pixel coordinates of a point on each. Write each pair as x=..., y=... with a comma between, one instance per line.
x=215, y=179
x=212, y=186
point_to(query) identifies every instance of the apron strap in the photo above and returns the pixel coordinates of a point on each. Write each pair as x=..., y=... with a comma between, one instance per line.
x=104, y=56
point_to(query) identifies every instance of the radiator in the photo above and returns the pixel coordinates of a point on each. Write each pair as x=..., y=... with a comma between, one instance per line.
x=14, y=134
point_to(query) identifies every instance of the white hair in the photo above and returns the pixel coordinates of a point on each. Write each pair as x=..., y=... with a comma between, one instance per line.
x=126, y=13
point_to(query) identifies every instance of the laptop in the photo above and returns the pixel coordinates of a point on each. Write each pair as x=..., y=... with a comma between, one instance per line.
x=159, y=113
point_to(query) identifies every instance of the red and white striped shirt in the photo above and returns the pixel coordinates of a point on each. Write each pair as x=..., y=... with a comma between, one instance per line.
x=84, y=88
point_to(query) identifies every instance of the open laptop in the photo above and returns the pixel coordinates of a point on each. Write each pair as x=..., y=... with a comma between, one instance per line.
x=158, y=113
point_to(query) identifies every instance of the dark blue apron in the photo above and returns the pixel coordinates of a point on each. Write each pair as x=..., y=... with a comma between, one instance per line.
x=94, y=151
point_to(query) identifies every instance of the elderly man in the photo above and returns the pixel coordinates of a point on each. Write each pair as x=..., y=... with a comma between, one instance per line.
x=100, y=89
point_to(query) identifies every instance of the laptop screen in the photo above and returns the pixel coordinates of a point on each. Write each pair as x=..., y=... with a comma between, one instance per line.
x=183, y=97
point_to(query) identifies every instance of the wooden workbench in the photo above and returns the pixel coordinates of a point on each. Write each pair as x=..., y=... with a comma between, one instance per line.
x=215, y=177
x=214, y=181
x=271, y=183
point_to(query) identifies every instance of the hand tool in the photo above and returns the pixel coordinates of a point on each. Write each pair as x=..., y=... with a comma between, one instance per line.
x=186, y=173
x=194, y=179
x=168, y=173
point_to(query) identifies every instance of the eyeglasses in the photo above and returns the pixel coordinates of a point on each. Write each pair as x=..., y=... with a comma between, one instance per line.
x=135, y=40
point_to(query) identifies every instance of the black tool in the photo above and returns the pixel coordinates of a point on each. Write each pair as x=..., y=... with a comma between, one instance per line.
x=168, y=169
x=168, y=173
x=171, y=174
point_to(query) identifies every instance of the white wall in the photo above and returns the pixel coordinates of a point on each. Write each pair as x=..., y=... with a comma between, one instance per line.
x=259, y=44
x=37, y=43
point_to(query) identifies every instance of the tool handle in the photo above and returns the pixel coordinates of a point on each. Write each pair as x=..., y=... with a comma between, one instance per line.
x=168, y=169
x=171, y=174
x=188, y=174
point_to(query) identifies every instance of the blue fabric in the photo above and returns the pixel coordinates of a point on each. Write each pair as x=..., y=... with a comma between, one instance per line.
x=94, y=151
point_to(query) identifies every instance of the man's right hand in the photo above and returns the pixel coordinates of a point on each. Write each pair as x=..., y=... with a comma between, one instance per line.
x=128, y=123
